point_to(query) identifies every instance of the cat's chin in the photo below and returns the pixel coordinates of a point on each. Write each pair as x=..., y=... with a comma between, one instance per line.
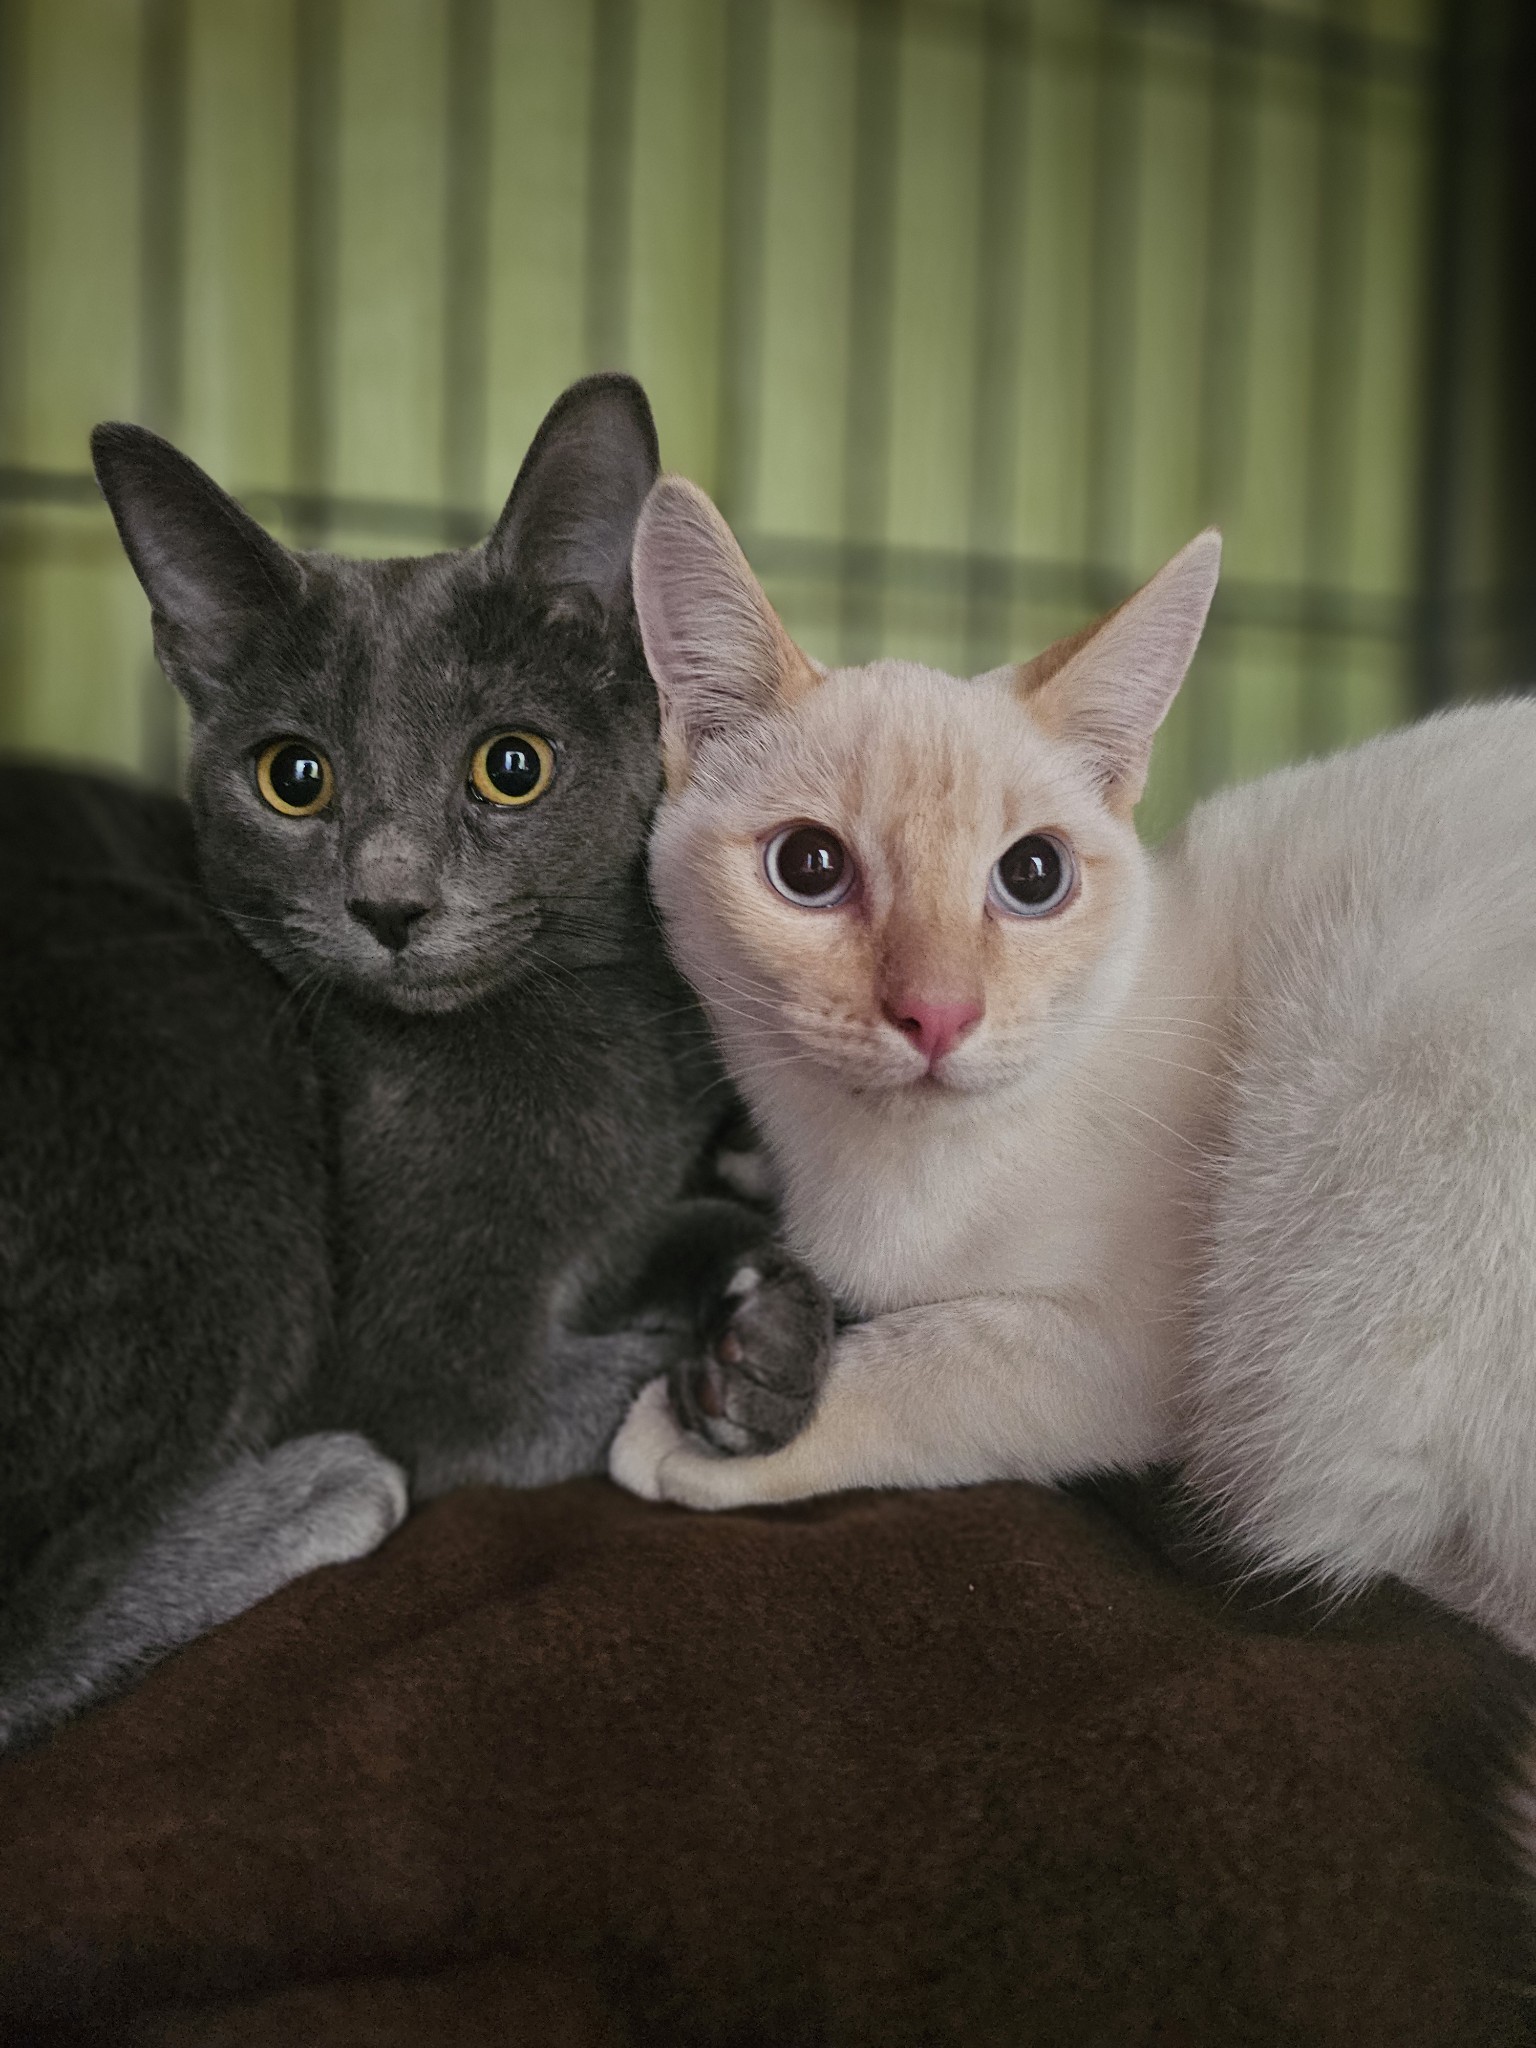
x=427, y=998
x=921, y=1093
x=956, y=1090
x=416, y=993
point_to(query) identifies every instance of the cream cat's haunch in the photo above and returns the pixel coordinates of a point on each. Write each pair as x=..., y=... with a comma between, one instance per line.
x=1224, y=1153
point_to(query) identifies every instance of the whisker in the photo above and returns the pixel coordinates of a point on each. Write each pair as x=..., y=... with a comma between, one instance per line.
x=1136, y=1109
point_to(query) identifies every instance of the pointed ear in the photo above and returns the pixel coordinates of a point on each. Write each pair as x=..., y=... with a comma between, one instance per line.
x=1109, y=687
x=569, y=524
x=207, y=568
x=713, y=641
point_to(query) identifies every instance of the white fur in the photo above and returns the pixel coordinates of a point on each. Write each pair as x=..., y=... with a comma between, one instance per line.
x=1279, y=1216
x=1255, y=1187
x=1273, y=1210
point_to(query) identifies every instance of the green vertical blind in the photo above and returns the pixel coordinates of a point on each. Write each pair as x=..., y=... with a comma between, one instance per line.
x=969, y=313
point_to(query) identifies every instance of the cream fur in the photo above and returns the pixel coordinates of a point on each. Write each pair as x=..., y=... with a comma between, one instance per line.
x=1239, y=1165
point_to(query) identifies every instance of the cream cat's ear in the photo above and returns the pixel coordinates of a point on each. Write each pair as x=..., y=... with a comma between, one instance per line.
x=1109, y=687
x=713, y=641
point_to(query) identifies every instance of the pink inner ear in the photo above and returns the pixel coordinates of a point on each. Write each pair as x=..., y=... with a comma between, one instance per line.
x=715, y=644
x=1110, y=684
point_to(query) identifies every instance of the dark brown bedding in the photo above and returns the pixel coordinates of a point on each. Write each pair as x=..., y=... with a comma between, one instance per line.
x=972, y=1768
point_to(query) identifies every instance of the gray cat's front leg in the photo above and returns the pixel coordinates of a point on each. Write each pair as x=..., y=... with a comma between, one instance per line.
x=570, y=1403
x=265, y=1520
x=739, y=1329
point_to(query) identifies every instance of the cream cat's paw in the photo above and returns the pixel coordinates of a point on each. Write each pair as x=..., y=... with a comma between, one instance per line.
x=649, y=1433
x=655, y=1457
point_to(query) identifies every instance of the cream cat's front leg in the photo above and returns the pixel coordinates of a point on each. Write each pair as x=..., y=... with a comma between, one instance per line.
x=988, y=1387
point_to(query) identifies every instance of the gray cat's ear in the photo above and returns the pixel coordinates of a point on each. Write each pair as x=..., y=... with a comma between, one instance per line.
x=569, y=524
x=206, y=566
x=713, y=641
x=1108, y=688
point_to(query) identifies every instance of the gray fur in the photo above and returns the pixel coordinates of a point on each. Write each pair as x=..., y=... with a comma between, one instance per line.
x=266, y=1519
x=453, y=1195
x=164, y=1288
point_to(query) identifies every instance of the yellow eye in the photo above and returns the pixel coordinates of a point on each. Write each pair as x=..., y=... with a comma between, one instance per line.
x=512, y=768
x=294, y=778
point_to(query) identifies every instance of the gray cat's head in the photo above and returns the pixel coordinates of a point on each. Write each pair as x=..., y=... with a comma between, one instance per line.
x=421, y=777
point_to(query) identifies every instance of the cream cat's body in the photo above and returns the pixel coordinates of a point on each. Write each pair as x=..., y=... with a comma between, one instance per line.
x=1227, y=1156
x=1018, y=1203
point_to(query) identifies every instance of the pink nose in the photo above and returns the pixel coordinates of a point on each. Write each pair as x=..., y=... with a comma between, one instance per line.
x=932, y=1027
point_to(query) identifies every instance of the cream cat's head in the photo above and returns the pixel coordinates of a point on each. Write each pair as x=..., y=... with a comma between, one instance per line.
x=926, y=888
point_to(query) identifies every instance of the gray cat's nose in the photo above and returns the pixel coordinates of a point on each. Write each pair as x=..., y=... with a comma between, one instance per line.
x=389, y=918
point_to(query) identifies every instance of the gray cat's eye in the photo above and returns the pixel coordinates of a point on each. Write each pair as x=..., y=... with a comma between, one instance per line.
x=1034, y=877
x=294, y=778
x=511, y=769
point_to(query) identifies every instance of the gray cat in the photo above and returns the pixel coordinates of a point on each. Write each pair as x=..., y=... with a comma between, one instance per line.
x=410, y=1183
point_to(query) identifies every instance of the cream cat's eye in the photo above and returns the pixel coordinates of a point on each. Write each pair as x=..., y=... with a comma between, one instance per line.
x=511, y=769
x=809, y=866
x=1034, y=877
x=294, y=777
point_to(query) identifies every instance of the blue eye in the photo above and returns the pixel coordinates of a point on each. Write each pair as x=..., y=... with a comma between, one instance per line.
x=1034, y=877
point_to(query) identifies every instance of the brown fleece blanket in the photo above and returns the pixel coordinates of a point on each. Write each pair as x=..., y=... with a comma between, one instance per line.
x=979, y=1767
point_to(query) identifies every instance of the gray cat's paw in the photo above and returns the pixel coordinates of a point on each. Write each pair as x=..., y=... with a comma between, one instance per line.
x=328, y=1499
x=768, y=1343
x=263, y=1522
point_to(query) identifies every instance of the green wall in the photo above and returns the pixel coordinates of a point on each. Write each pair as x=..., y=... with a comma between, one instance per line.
x=1012, y=298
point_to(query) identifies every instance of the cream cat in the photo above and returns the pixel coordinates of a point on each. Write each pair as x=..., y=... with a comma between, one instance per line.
x=1226, y=1153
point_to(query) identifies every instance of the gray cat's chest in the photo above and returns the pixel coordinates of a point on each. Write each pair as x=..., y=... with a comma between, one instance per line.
x=488, y=1169
x=455, y=1109
x=467, y=1135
